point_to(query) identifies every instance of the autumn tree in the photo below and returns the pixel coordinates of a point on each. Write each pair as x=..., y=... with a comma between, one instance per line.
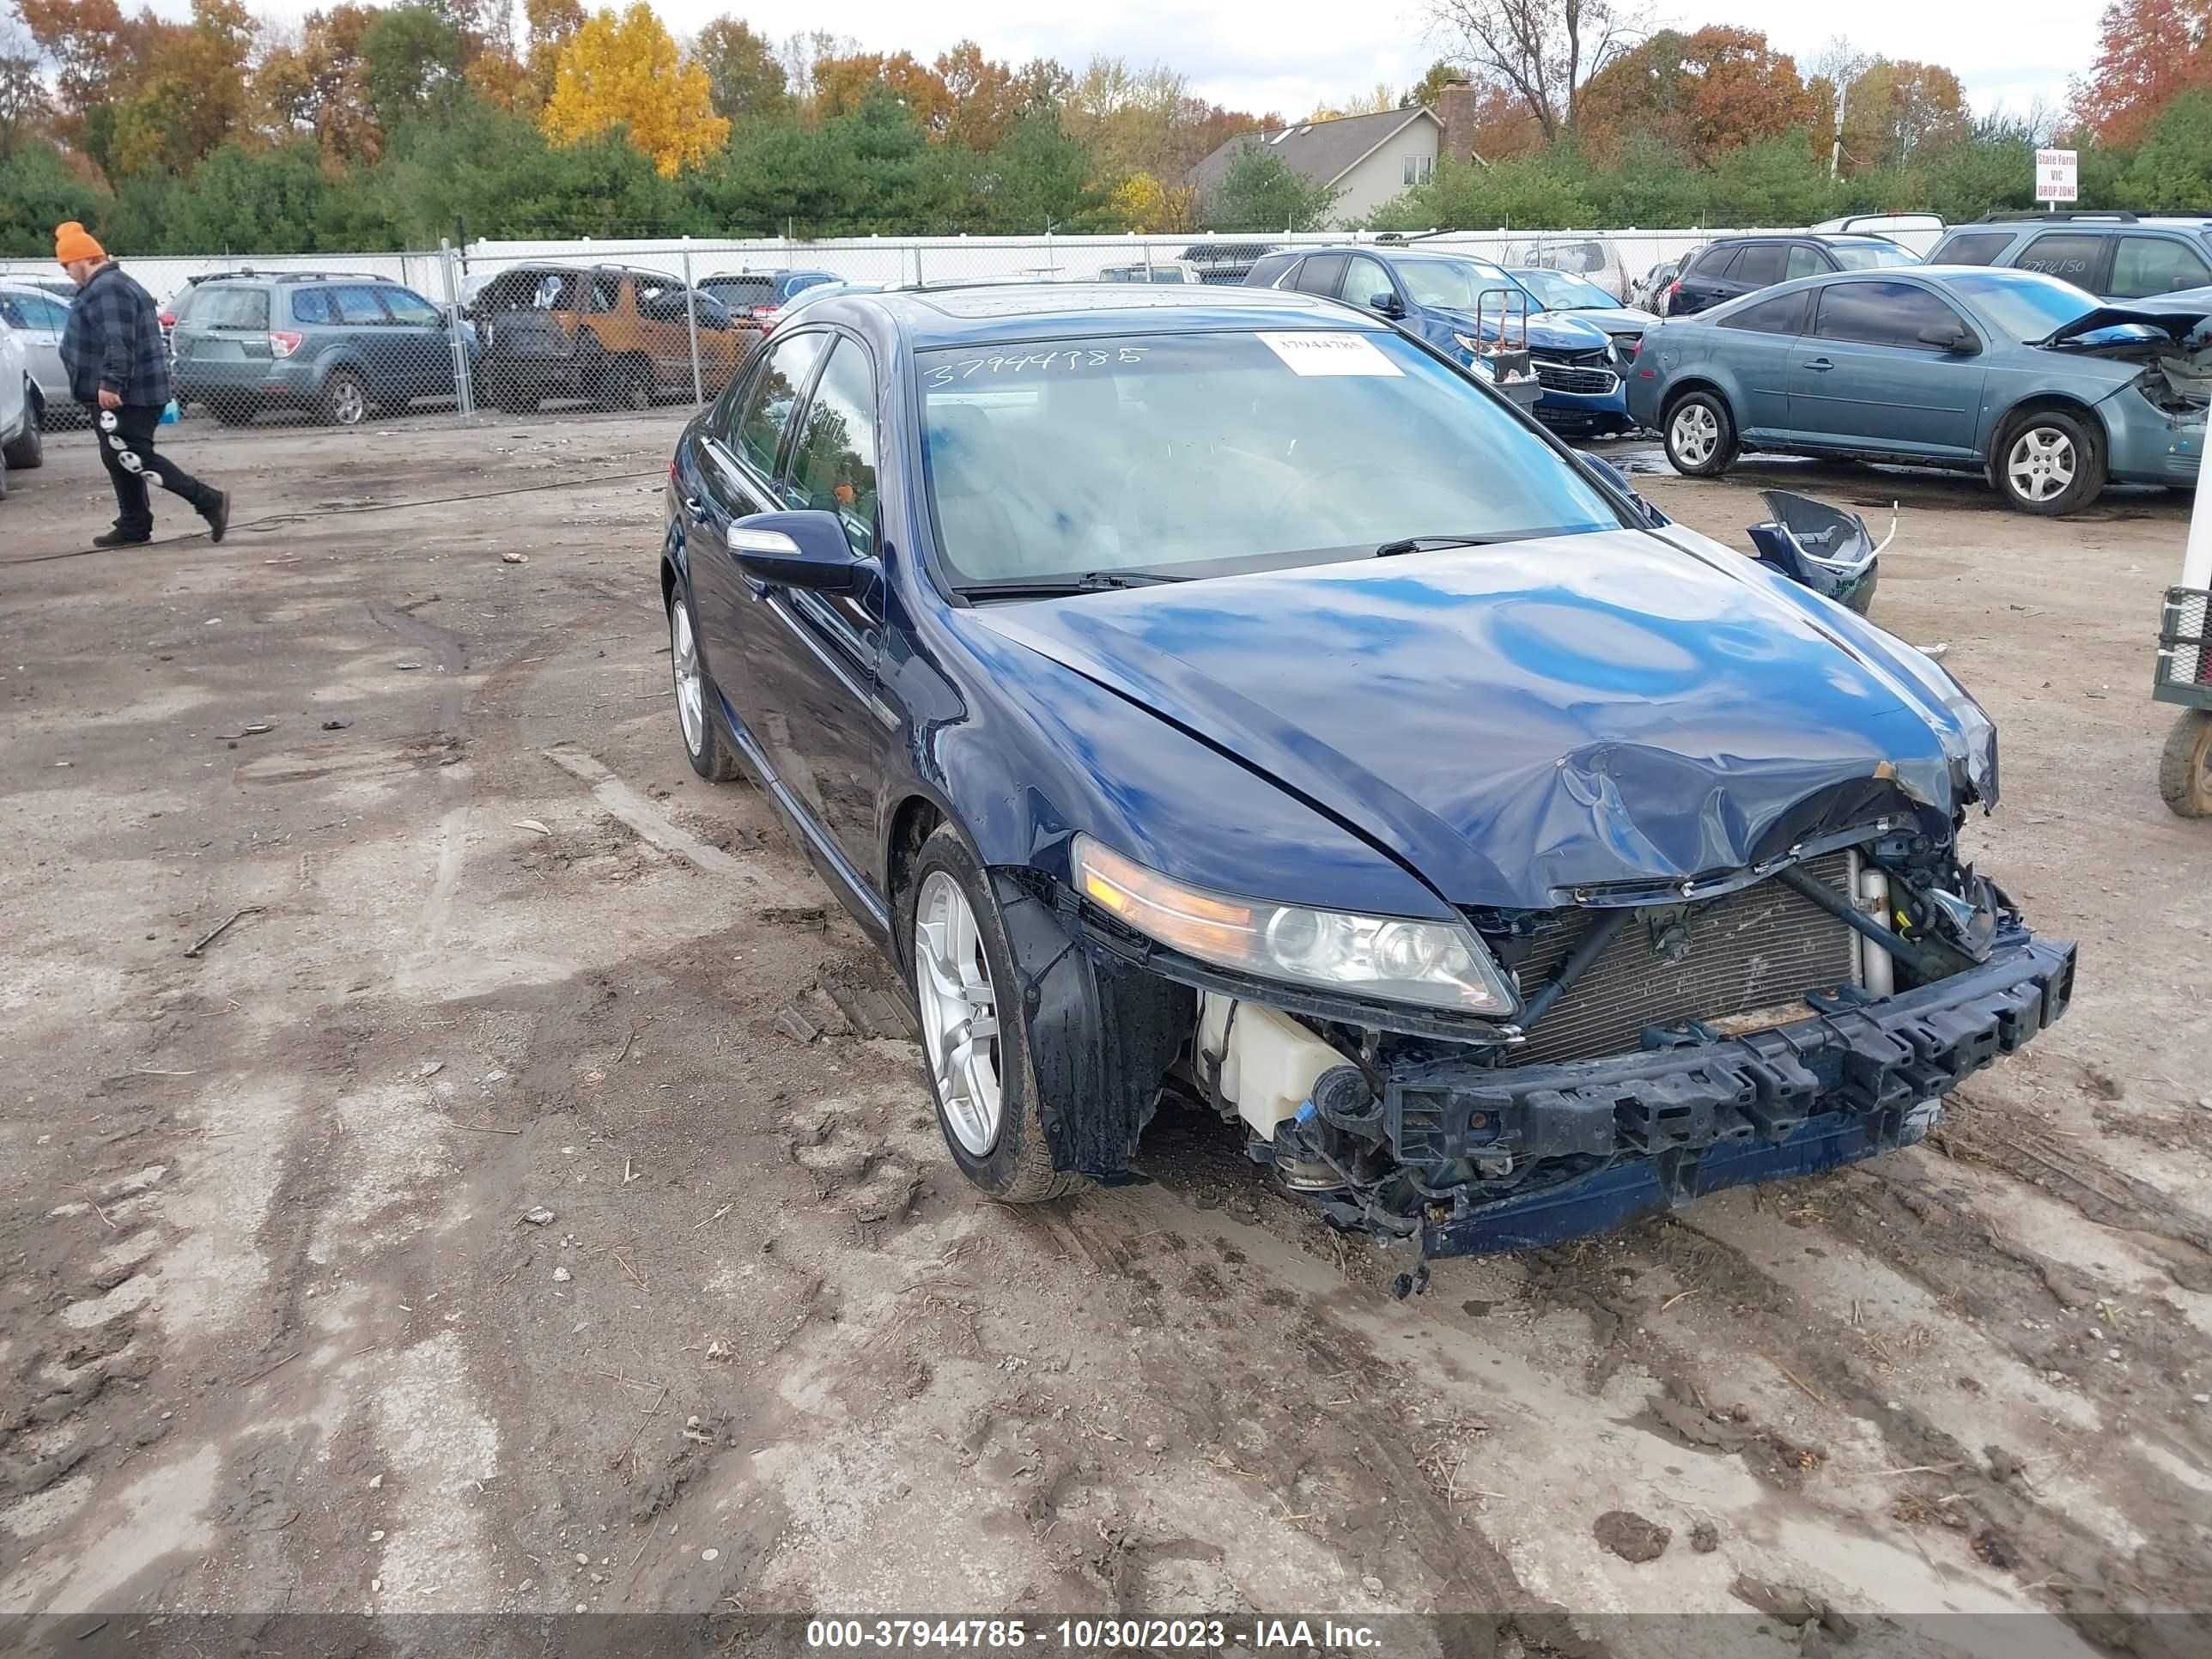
x=318, y=84
x=2147, y=52
x=411, y=54
x=1373, y=102
x=1423, y=93
x=1698, y=94
x=1142, y=202
x=24, y=111
x=548, y=26
x=743, y=77
x=985, y=100
x=626, y=71
x=842, y=85
x=1896, y=111
x=1544, y=51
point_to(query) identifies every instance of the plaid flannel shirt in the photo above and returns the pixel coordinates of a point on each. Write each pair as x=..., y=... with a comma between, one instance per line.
x=114, y=340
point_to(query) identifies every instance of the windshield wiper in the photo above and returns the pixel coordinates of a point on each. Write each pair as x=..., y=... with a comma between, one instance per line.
x=1424, y=544
x=1092, y=581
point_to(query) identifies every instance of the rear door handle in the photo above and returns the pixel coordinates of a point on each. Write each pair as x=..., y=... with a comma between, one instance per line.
x=1821, y=363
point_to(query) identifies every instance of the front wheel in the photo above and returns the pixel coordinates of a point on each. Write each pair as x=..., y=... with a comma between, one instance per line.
x=1700, y=437
x=2185, y=771
x=2049, y=462
x=975, y=1038
x=29, y=448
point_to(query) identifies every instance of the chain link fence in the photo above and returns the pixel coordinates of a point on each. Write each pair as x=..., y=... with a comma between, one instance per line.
x=518, y=327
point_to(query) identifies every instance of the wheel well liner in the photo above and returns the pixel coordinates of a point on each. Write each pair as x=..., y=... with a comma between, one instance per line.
x=2063, y=403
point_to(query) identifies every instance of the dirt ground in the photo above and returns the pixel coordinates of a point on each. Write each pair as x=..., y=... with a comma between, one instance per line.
x=280, y=1330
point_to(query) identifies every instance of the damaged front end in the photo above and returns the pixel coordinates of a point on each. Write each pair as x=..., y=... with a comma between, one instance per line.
x=1660, y=1046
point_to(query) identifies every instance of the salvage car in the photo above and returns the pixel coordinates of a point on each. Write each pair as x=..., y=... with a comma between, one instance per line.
x=1218, y=695
x=2115, y=255
x=2011, y=373
x=617, y=337
x=21, y=408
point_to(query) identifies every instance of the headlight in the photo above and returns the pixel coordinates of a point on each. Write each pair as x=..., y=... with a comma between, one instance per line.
x=1439, y=964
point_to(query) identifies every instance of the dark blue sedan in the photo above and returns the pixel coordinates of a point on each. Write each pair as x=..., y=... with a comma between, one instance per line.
x=1213, y=697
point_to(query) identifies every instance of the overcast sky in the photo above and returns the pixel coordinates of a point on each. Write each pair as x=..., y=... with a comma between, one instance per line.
x=1293, y=55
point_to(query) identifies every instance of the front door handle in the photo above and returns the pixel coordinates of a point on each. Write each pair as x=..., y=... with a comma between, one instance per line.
x=1821, y=363
x=695, y=506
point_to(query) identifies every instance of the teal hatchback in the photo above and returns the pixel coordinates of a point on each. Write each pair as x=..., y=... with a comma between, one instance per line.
x=2015, y=374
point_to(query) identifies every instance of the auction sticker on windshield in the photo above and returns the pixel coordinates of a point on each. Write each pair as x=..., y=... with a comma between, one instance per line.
x=1313, y=353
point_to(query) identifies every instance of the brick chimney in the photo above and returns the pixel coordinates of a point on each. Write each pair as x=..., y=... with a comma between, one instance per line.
x=1456, y=109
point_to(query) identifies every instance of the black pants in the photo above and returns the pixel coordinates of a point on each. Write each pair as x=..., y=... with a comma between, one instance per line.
x=126, y=449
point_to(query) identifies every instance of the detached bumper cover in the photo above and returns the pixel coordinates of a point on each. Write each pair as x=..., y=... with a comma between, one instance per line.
x=1677, y=1122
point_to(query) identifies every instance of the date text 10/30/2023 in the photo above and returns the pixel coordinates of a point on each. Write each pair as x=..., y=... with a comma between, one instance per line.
x=1081, y=1635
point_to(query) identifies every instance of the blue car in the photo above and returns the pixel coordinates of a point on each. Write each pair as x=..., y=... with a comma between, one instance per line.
x=759, y=297
x=1217, y=700
x=1439, y=296
x=2012, y=373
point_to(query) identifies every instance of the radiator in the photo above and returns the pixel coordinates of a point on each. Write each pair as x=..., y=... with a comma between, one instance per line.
x=1747, y=949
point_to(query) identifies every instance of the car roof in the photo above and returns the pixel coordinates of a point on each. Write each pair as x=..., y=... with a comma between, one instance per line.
x=1035, y=311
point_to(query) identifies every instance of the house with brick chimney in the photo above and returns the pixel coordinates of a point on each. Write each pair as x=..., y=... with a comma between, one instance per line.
x=1366, y=159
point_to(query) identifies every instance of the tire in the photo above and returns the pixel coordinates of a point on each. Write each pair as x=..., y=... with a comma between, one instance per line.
x=1007, y=1157
x=2052, y=451
x=704, y=746
x=627, y=384
x=344, y=400
x=2185, y=769
x=517, y=400
x=4, y=475
x=1699, y=435
x=29, y=449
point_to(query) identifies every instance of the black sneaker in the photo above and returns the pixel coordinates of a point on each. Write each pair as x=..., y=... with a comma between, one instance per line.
x=218, y=516
x=120, y=537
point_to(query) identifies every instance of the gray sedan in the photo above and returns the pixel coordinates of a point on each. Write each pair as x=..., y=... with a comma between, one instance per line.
x=36, y=318
x=2012, y=373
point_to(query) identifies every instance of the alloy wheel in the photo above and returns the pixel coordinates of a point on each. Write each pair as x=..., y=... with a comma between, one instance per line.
x=2041, y=464
x=690, y=684
x=1695, y=433
x=348, y=404
x=959, y=1012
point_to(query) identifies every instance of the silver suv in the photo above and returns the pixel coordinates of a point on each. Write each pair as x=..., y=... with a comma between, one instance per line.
x=340, y=347
x=2114, y=256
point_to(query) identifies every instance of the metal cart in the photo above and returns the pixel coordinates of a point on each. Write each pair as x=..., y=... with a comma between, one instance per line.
x=2185, y=676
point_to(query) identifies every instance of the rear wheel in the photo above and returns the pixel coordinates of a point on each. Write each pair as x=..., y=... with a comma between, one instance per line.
x=976, y=1041
x=2185, y=771
x=2048, y=462
x=345, y=400
x=29, y=449
x=1700, y=436
x=628, y=385
x=695, y=698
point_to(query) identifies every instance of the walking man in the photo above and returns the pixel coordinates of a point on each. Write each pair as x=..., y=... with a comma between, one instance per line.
x=118, y=368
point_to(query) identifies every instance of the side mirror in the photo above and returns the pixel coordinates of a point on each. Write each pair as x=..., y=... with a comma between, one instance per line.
x=1386, y=304
x=1950, y=337
x=805, y=549
x=1614, y=476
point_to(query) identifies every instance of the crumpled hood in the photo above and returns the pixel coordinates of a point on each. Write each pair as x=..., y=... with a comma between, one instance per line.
x=1626, y=320
x=1548, y=331
x=1518, y=721
x=2176, y=324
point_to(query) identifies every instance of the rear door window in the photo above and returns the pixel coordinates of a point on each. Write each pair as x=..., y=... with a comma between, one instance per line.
x=2070, y=256
x=1882, y=313
x=312, y=305
x=1785, y=313
x=358, y=305
x=1364, y=282
x=1761, y=264
x=606, y=291
x=766, y=411
x=1982, y=248
x=231, y=307
x=2144, y=265
x=1802, y=262
x=1319, y=275
x=1714, y=262
x=13, y=312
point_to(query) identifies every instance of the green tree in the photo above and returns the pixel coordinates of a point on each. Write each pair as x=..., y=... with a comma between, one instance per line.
x=1261, y=191
x=39, y=191
x=743, y=78
x=1038, y=178
x=413, y=56
x=1777, y=181
x=1548, y=190
x=2173, y=168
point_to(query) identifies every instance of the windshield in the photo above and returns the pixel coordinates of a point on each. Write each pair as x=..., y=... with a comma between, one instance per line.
x=1203, y=454
x=1450, y=284
x=1871, y=256
x=2025, y=305
x=1556, y=290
